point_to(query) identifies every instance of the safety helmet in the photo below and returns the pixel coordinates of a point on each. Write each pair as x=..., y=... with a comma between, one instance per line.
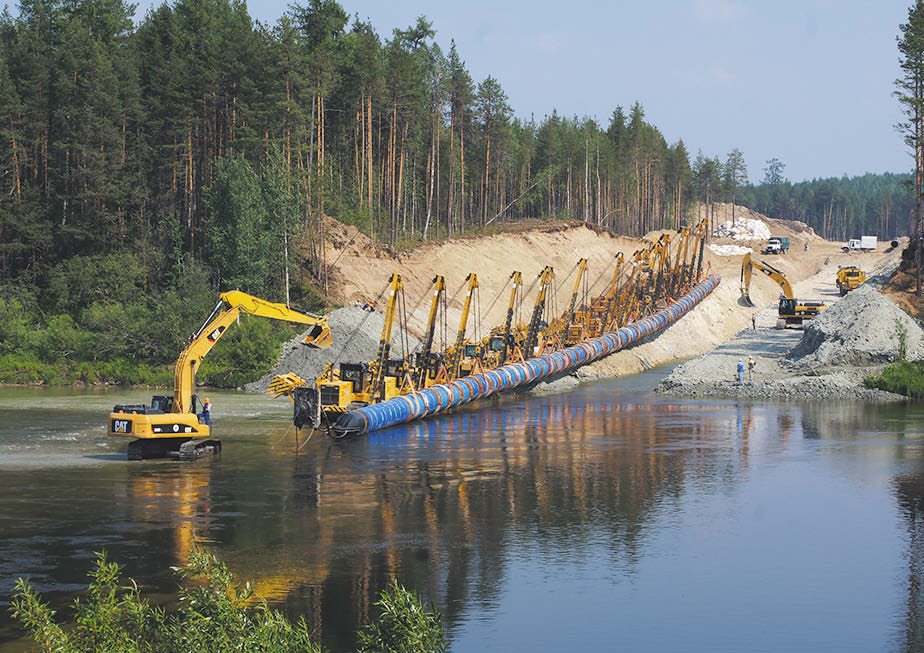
x=207, y=400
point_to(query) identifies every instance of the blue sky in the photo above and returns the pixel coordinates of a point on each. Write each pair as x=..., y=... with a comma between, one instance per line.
x=806, y=81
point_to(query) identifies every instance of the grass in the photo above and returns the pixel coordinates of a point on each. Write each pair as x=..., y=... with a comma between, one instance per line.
x=903, y=377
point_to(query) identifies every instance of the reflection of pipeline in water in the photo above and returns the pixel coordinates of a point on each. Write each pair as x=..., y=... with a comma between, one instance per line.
x=439, y=398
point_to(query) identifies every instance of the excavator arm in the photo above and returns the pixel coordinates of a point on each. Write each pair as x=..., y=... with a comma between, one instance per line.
x=532, y=339
x=747, y=267
x=230, y=306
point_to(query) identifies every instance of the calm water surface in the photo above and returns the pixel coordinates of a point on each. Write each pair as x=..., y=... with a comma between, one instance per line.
x=605, y=518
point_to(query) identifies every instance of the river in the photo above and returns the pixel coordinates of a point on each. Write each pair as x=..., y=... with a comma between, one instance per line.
x=600, y=519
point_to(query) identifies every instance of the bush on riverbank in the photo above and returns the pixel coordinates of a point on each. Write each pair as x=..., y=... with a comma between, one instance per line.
x=96, y=324
x=214, y=614
x=903, y=377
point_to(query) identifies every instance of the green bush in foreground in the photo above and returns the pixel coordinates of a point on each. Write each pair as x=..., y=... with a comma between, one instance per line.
x=214, y=615
x=903, y=377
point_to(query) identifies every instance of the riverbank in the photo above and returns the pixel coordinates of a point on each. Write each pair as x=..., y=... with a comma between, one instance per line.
x=855, y=338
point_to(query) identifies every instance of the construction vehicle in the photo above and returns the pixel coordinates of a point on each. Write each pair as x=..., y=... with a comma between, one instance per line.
x=352, y=385
x=170, y=425
x=862, y=244
x=849, y=277
x=463, y=356
x=501, y=343
x=777, y=245
x=791, y=310
x=536, y=323
x=575, y=330
x=427, y=363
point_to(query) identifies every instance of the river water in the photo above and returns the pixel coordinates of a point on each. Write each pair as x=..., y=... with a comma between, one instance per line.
x=604, y=518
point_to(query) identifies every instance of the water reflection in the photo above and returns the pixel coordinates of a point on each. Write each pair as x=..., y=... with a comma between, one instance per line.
x=614, y=485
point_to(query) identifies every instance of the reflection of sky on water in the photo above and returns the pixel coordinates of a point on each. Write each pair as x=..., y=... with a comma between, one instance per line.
x=567, y=521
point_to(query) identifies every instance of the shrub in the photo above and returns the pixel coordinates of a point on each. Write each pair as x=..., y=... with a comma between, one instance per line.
x=902, y=377
x=214, y=615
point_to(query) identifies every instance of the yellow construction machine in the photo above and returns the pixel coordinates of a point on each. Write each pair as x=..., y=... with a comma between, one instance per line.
x=427, y=363
x=359, y=384
x=500, y=345
x=170, y=425
x=791, y=310
x=531, y=346
x=464, y=356
x=849, y=277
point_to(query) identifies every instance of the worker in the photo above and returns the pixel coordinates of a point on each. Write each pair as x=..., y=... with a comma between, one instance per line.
x=205, y=417
x=751, y=365
x=740, y=372
x=358, y=303
x=754, y=321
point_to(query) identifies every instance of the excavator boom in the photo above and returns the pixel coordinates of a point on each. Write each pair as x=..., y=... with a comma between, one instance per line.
x=747, y=267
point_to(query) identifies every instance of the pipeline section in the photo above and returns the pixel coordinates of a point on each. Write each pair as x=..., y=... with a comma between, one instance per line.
x=442, y=397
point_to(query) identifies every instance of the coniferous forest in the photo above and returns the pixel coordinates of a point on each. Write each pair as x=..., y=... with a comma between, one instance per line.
x=146, y=166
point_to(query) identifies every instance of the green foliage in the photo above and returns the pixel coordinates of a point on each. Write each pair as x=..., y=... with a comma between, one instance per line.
x=405, y=625
x=214, y=615
x=248, y=352
x=902, y=377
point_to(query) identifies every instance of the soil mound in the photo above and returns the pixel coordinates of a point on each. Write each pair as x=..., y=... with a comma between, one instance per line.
x=860, y=329
x=743, y=229
x=356, y=340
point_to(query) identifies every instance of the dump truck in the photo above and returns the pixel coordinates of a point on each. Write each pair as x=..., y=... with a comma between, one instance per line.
x=777, y=245
x=849, y=277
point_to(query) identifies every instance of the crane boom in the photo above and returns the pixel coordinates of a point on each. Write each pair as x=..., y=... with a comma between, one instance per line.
x=516, y=282
x=472, y=280
x=378, y=376
x=532, y=338
x=423, y=358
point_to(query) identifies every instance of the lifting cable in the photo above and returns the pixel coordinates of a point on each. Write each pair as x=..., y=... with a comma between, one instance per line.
x=359, y=326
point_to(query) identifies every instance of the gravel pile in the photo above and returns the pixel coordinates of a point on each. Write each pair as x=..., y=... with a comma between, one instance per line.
x=860, y=329
x=743, y=229
x=730, y=250
x=356, y=339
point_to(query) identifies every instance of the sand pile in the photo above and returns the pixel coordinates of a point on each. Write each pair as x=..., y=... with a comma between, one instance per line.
x=356, y=340
x=743, y=229
x=860, y=329
x=729, y=250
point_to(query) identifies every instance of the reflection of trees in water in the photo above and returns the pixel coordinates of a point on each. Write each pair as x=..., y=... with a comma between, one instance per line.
x=445, y=502
x=442, y=504
x=909, y=491
x=842, y=420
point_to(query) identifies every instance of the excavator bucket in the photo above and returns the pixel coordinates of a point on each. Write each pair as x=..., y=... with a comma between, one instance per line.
x=319, y=336
x=746, y=299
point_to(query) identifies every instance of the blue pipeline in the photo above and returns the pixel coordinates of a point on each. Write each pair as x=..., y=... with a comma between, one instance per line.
x=439, y=398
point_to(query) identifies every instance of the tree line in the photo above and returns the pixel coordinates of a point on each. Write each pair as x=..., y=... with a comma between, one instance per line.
x=837, y=208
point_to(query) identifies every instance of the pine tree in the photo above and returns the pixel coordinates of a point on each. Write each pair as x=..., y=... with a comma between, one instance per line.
x=910, y=94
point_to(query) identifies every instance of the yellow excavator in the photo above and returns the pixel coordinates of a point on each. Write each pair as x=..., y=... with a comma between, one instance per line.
x=791, y=310
x=170, y=426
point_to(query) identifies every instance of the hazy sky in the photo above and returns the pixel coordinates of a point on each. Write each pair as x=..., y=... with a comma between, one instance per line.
x=806, y=81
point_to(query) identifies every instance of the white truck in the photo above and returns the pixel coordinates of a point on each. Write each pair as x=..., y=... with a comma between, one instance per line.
x=862, y=244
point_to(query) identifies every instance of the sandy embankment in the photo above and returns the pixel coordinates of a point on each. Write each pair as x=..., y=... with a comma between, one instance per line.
x=362, y=269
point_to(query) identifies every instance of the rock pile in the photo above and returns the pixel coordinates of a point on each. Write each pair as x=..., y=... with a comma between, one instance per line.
x=743, y=229
x=859, y=330
x=356, y=339
x=729, y=250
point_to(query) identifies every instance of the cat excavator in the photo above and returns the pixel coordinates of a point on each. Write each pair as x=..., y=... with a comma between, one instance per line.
x=170, y=426
x=791, y=310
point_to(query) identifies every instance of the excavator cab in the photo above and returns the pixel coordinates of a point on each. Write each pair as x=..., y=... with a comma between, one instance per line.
x=355, y=373
x=395, y=367
x=496, y=343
